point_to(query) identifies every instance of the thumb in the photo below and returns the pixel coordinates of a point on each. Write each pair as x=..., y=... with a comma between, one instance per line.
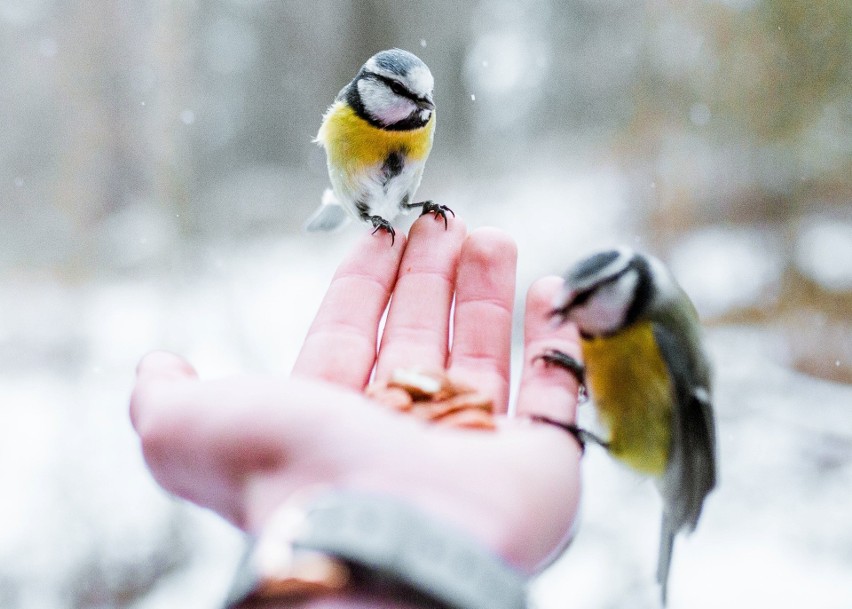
x=156, y=367
x=164, y=366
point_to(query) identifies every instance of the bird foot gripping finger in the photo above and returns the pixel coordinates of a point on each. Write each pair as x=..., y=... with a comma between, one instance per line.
x=380, y=223
x=554, y=357
x=440, y=211
x=583, y=436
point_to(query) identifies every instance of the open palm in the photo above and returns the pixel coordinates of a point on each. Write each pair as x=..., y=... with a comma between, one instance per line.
x=241, y=445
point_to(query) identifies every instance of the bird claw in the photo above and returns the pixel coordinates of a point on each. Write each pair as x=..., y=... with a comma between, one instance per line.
x=582, y=436
x=554, y=357
x=434, y=208
x=380, y=223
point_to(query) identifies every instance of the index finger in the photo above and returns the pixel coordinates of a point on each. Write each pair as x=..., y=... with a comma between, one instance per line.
x=341, y=344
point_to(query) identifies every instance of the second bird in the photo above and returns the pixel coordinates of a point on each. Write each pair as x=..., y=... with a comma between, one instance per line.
x=649, y=377
x=377, y=135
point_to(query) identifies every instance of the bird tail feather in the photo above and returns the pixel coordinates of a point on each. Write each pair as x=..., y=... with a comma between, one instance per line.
x=667, y=535
x=329, y=216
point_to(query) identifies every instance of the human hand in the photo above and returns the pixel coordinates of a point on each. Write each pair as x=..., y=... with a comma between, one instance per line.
x=241, y=445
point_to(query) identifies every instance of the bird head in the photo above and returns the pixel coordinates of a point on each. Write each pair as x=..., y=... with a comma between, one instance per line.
x=606, y=291
x=393, y=90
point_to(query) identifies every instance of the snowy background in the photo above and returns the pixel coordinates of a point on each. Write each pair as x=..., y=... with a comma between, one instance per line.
x=156, y=165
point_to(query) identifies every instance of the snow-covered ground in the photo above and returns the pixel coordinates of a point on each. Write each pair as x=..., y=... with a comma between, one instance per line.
x=82, y=524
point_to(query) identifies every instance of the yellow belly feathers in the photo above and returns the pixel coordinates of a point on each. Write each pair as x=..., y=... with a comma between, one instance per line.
x=352, y=143
x=637, y=414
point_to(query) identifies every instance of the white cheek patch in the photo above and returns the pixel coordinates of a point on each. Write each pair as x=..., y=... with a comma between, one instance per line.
x=605, y=311
x=595, y=319
x=587, y=320
x=383, y=104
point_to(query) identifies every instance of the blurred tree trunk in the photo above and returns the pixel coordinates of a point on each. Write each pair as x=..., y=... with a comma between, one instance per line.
x=99, y=161
x=171, y=114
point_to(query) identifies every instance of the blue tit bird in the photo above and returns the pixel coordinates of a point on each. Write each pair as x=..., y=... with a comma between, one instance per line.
x=648, y=375
x=377, y=136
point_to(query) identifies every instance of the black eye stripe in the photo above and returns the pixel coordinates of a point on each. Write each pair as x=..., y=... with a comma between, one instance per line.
x=396, y=86
x=584, y=295
x=581, y=298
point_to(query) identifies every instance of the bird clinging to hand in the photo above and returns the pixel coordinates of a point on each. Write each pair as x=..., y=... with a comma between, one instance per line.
x=377, y=135
x=649, y=378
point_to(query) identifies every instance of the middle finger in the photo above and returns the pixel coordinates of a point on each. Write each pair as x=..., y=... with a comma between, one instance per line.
x=417, y=326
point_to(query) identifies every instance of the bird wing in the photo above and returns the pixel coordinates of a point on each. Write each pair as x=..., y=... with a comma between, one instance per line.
x=691, y=471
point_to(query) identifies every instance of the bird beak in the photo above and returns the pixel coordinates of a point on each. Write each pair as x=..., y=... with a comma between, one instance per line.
x=562, y=306
x=426, y=103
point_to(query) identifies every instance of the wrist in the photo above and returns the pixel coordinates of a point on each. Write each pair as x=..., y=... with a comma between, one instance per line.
x=346, y=546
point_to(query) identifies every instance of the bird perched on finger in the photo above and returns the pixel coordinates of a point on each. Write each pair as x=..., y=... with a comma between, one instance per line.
x=649, y=377
x=377, y=136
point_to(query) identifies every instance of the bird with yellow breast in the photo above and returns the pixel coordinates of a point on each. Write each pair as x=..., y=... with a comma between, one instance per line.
x=649, y=378
x=377, y=136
